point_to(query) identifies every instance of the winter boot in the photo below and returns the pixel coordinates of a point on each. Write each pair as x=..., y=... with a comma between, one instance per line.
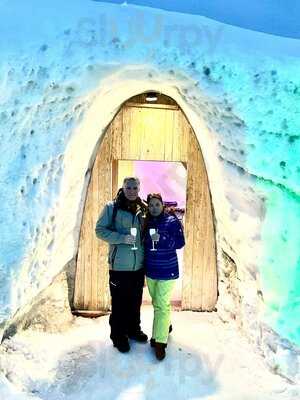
x=139, y=336
x=122, y=344
x=160, y=350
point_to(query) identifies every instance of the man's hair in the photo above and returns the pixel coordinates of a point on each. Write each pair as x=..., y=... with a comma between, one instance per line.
x=131, y=178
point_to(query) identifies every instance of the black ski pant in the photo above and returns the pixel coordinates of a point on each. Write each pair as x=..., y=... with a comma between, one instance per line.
x=126, y=289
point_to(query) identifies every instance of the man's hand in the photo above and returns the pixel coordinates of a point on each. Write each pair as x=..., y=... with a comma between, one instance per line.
x=129, y=239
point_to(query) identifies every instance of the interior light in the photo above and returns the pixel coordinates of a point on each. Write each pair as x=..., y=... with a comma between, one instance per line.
x=151, y=96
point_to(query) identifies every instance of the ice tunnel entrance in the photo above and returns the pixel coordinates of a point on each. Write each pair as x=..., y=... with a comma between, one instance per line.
x=149, y=131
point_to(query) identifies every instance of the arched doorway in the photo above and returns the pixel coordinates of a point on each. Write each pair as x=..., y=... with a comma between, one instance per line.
x=148, y=131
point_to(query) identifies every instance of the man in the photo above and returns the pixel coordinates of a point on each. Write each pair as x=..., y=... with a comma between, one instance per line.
x=126, y=265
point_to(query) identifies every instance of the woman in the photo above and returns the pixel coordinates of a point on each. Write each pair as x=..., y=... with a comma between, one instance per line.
x=126, y=265
x=161, y=267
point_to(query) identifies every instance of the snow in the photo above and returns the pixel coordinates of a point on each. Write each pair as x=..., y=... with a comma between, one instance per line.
x=205, y=359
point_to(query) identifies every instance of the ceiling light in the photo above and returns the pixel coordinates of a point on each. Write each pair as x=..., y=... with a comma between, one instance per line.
x=151, y=96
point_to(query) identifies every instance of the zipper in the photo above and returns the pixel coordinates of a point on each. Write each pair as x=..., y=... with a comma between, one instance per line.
x=113, y=256
x=133, y=218
x=134, y=260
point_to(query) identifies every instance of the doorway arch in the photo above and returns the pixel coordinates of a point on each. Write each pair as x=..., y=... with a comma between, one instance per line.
x=156, y=131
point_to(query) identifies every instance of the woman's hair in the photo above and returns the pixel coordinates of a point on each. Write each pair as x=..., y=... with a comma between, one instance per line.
x=148, y=215
x=168, y=210
x=154, y=196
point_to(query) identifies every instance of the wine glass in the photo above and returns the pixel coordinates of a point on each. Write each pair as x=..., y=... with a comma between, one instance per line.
x=152, y=231
x=133, y=232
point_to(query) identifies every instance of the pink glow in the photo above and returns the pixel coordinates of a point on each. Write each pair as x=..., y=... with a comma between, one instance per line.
x=167, y=178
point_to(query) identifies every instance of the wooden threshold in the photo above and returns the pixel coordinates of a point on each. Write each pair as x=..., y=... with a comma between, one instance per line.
x=176, y=305
x=89, y=313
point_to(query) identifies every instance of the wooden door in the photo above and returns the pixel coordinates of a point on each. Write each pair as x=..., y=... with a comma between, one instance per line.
x=147, y=132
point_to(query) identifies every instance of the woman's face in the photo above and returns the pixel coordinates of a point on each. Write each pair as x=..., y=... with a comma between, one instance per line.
x=155, y=207
x=131, y=190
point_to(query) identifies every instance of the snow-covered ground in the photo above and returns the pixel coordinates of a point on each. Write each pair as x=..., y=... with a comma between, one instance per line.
x=206, y=359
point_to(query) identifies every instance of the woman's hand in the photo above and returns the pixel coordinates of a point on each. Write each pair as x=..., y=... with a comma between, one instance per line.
x=129, y=239
x=155, y=237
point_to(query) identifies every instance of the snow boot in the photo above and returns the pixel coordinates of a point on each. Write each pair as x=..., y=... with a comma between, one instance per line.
x=160, y=350
x=122, y=345
x=139, y=336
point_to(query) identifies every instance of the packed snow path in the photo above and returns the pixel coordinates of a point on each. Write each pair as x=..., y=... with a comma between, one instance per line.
x=206, y=359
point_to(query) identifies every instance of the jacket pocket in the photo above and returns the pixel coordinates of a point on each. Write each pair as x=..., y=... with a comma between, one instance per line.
x=124, y=257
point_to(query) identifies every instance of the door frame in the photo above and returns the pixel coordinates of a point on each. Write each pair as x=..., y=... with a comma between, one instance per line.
x=188, y=302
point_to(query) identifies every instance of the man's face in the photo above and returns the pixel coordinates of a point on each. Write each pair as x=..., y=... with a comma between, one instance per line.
x=155, y=207
x=131, y=190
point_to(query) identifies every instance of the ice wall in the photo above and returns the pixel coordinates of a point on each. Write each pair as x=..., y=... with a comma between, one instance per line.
x=241, y=90
x=269, y=16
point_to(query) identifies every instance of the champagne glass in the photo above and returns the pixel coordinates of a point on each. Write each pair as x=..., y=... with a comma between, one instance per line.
x=133, y=232
x=152, y=231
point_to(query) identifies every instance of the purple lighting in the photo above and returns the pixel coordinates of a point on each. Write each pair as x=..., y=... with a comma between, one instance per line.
x=167, y=178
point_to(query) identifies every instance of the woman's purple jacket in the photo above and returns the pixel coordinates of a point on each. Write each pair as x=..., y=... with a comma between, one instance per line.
x=163, y=263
